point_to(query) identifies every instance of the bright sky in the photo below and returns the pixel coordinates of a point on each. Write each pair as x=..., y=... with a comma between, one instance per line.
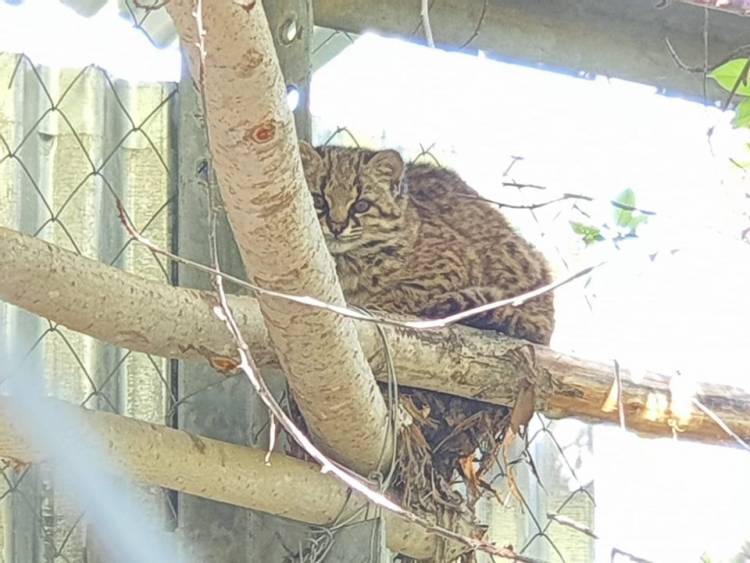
x=662, y=500
x=51, y=33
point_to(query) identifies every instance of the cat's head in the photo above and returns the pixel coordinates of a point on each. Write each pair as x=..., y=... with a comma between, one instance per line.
x=359, y=195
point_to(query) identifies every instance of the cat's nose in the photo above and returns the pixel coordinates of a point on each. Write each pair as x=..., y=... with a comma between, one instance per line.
x=336, y=228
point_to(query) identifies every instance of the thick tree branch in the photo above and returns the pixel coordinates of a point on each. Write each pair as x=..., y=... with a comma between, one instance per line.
x=217, y=470
x=153, y=317
x=255, y=157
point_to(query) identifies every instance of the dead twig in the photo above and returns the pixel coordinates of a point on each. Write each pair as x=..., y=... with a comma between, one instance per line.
x=425, y=15
x=739, y=53
x=564, y=196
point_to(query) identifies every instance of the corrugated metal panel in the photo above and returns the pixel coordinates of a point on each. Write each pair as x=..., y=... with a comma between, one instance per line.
x=71, y=140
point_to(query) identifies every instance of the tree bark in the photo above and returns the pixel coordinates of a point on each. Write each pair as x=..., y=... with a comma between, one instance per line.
x=147, y=316
x=213, y=469
x=256, y=160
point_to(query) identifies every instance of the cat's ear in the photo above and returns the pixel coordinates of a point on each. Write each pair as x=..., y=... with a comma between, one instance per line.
x=389, y=163
x=308, y=154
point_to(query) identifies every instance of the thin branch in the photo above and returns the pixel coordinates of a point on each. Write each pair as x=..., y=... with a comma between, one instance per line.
x=529, y=206
x=425, y=15
x=477, y=27
x=739, y=53
x=564, y=196
x=575, y=196
x=511, y=301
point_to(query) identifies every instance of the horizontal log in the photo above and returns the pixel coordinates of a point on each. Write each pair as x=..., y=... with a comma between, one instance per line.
x=152, y=317
x=178, y=460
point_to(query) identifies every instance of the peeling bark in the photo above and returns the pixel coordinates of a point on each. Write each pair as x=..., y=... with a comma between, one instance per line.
x=147, y=316
x=256, y=160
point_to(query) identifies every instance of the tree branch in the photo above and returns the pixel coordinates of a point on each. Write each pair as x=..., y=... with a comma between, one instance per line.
x=254, y=153
x=219, y=471
x=153, y=317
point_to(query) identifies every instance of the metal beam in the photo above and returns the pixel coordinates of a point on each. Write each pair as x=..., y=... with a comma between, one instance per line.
x=590, y=37
x=291, y=27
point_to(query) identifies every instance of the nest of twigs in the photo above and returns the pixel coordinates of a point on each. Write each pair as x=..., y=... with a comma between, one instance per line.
x=451, y=441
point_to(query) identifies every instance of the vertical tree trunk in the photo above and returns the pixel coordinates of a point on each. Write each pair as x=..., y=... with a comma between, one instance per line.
x=213, y=531
x=254, y=152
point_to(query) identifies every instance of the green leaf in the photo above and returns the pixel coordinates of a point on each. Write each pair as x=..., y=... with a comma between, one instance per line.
x=623, y=217
x=627, y=218
x=728, y=73
x=742, y=114
x=589, y=233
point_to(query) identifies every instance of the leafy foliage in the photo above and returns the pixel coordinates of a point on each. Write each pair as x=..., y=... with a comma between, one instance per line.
x=732, y=76
x=624, y=217
x=589, y=234
x=728, y=74
x=626, y=221
x=742, y=115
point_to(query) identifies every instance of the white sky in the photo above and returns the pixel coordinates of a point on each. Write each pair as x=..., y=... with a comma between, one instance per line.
x=52, y=34
x=662, y=500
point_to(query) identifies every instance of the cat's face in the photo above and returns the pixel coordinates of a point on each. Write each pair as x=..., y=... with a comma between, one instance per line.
x=358, y=194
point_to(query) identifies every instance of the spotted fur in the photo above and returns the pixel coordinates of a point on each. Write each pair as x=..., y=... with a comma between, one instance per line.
x=406, y=239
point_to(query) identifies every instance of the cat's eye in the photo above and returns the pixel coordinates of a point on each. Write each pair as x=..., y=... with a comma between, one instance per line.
x=361, y=206
x=319, y=202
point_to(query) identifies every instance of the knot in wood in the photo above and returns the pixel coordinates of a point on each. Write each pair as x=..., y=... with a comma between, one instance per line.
x=263, y=132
